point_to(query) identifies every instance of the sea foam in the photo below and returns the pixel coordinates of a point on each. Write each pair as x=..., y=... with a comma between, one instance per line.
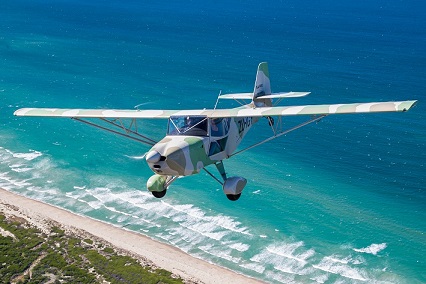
x=373, y=249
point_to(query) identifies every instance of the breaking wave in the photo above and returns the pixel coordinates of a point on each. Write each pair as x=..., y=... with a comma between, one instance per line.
x=373, y=249
x=212, y=236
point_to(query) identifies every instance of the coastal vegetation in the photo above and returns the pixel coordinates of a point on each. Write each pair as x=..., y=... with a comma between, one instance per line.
x=30, y=255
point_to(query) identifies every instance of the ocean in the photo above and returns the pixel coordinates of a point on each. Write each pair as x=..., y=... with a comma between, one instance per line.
x=339, y=201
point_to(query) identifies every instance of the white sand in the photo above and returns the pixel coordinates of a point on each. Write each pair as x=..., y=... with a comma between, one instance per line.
x=162, y=255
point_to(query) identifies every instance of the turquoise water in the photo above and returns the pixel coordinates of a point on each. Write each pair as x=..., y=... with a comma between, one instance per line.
x=341, y=201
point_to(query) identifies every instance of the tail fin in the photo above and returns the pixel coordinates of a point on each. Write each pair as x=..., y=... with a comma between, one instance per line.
x=262, y=95
x=262, y=86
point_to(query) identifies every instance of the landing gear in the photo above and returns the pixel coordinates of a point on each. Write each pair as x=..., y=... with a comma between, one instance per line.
x=233, y=197
x=159, y=194
x=158, y=184
x=232, y=186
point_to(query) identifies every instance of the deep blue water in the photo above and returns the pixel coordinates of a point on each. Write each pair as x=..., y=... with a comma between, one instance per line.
x=341, y=201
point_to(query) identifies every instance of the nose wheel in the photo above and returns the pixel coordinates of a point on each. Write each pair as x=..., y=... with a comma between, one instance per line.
x=158, y=184
x=159, y=194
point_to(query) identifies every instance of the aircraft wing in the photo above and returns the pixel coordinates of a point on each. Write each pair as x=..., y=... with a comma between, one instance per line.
x=314, y=109
x=95, y=113
x=217, y=113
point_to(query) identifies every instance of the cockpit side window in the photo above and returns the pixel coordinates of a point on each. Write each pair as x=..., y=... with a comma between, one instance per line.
x=219, y=130
x=187, y=125
x=219, y=127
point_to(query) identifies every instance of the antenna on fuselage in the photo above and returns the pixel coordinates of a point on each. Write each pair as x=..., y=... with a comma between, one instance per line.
x=218, y=96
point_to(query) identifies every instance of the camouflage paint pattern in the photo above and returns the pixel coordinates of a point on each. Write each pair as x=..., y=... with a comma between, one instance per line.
x=156, y=183
x=180, y=155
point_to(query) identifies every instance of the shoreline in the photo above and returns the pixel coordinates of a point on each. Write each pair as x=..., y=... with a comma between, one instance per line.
x=162, y=255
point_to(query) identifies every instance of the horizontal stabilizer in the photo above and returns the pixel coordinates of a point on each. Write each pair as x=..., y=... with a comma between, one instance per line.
x=285, y=95
x=237, y=96
x=249, y=96
x=218, y=113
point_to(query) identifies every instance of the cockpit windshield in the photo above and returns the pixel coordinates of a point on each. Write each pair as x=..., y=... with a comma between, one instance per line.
x=187, y=125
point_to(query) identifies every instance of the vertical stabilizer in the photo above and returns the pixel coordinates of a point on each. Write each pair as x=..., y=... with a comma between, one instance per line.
x=262, y=85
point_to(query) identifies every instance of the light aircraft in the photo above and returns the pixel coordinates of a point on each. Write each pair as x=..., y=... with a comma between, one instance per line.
x=196, y=139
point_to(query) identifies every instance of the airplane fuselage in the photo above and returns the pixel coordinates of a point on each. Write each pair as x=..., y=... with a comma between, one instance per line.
x=181, y=154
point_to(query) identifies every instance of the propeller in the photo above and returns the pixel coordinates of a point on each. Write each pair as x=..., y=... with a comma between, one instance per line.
x=137, y=157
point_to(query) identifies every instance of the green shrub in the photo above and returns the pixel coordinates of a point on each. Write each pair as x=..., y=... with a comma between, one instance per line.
x=70, y=261
x=108, y=250
x=88, y=241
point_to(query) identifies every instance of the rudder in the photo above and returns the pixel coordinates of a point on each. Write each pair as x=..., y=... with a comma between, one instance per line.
x=262, y=86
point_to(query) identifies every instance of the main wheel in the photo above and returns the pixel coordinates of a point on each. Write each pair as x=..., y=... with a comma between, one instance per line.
x=159, y=194
x=233, y=197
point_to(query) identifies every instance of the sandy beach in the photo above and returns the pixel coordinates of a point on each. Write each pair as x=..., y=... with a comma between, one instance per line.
x=164, y=256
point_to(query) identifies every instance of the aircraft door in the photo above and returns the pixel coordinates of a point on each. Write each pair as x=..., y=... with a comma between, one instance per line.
x=219, y=130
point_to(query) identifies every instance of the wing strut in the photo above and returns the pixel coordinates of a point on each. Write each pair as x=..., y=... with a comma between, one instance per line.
x=128, y=129
x=212, y=175
x=318, y=118
x=139, y=137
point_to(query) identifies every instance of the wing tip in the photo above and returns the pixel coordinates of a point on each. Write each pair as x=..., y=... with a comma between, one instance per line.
x=407, y=105
x=21, y=111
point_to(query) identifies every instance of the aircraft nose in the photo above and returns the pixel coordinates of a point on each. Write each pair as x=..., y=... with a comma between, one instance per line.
x=153, y=157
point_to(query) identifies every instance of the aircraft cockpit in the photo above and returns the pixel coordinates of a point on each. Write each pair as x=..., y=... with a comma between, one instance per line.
x=188, y=125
